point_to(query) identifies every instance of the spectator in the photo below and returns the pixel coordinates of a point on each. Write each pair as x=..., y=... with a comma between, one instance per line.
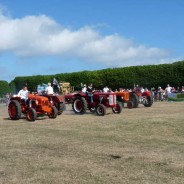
x=84, y=88
x=142, y=90
x=49, y=89
x=182, y=89
x=7, y=99
x=167, y=91
x=160, y=94
x=55, y=86
x=105, y=89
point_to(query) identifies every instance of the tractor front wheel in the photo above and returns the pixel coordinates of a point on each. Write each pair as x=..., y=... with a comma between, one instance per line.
x=54, y=113
x=118, y=108
x=101, y=110
x=149, y=101
x=31, y=114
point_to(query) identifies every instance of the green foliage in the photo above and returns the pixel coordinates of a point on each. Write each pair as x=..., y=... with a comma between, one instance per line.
x=180, y=95
x=146, y=76
x=4, y=88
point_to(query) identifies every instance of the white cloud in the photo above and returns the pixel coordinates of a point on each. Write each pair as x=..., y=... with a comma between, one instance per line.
x=41, y=36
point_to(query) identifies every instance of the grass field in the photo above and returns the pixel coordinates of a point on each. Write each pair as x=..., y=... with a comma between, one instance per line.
x=139, y=146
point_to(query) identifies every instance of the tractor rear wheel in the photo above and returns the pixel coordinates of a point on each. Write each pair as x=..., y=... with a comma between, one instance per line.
x=135, y=100
x=14, y=110
x=118, y=108
x=31, y=114
x=101, y=110
x=54, y=113
x=149, y=101
x=79, y=105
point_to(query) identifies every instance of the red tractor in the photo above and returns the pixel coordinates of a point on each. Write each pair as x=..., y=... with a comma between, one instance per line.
x=82, y=102
x=34, y=107
x=133, y=99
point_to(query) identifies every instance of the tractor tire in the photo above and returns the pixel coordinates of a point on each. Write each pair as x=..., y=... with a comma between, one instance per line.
x=118, y=108
x=54, y=113
x=101, y=110
x=14, y=110
x=79, y=105
x=121, y=102
x=31, y=114
x=149, y=101
x=135, y=100
x=61, y=108
x=129, y=104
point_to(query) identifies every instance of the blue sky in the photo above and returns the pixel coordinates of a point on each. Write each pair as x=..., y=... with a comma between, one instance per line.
x=41, y=37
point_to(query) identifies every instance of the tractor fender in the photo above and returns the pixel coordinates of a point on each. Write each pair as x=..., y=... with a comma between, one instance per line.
x=80, y=95
x=146, y=93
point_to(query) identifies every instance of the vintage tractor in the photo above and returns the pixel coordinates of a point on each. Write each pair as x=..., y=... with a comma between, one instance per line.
x=65, y=88
x=57, y=100
x=34, y=107
x=82, y=102
x=133, y=99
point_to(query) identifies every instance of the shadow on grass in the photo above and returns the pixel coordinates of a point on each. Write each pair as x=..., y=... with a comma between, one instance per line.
x=115, y=156
x=24, y=118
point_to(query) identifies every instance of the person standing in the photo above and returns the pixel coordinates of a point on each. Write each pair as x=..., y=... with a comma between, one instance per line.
x=7, y=99
x=89, y=92
x=105, y=89
x=167, y=91
x=55, y=86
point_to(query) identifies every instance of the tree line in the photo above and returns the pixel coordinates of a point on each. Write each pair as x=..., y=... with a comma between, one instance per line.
x=126, y=77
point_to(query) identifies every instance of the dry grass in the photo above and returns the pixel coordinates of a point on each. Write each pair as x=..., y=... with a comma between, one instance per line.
x=141, y=146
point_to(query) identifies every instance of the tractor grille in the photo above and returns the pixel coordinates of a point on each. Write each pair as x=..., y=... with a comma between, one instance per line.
x=111, y=100
x=45, y=102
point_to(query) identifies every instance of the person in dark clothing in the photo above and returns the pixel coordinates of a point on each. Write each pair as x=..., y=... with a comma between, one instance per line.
x=90, y=91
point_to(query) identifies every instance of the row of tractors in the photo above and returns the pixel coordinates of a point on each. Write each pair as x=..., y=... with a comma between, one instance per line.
x=53, y=105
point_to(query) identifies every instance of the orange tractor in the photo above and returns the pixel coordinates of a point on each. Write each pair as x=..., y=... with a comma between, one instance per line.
x=133, y=99
x=57, y=100
x=34, y=107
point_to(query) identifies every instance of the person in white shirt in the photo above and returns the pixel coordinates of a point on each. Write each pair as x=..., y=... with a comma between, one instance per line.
x=167, y=91
x=49, y=89
x=142, y=90
x=84, y=88
x=105, y=89
x=23, y=94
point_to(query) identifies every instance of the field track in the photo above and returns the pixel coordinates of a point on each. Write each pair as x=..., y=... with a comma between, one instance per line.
x=138, y=146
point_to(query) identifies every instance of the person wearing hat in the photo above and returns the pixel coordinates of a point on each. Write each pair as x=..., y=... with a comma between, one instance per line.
x=49, y=89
